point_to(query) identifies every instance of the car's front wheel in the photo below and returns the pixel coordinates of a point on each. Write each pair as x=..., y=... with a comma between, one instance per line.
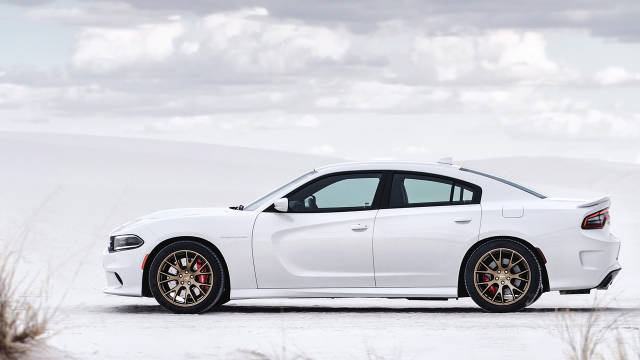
x=187, y=277
x=503, y=275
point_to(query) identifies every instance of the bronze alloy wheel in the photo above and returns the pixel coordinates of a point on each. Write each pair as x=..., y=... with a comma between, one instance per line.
x=502, y=276
x=185, y=278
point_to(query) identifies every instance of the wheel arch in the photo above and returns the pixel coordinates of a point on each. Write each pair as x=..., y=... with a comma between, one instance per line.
x=146, y=291
x=462, y=291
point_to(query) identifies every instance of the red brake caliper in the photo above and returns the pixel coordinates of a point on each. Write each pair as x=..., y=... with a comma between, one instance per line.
x=201, y=278
x=492, y=289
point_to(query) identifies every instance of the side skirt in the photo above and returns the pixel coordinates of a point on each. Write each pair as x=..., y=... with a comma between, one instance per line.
x=438, y=293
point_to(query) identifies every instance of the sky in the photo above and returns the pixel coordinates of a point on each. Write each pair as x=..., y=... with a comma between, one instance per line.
x=362, y=79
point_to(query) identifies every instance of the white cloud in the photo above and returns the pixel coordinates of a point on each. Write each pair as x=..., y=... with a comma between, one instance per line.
x=13, y=94
x=57, y=14
x=451, y=56
x=375, y=95
x=105, y=49
x=307, y=121
x=503, y=54
x=251, y=41
x=246, y=40
x=497, y=99
x=614, y=75
x=189, y=47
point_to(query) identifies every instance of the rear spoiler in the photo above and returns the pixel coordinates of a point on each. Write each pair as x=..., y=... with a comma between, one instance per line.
x=598, y=201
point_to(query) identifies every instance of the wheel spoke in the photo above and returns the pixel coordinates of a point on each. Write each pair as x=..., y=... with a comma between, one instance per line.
x=175, y=288
x=485, y=272
x=190, y=263
x=511, y=265
x=177, y=265
x=497, y=292
x=519, y=278
x=204, y=269
x=193, y=295
x=494, y=259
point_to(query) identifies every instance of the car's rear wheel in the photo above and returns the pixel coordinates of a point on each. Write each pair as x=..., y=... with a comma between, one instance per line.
x=503, y=275
x=187, y=277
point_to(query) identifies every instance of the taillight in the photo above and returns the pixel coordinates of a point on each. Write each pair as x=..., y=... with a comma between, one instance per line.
x=596, y=220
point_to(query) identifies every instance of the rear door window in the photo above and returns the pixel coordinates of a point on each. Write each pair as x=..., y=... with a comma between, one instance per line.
x=414, y=190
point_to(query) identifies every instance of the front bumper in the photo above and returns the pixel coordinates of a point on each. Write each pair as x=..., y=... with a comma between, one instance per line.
x=123, y=270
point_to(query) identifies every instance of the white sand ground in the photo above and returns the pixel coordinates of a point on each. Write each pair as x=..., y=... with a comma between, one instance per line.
x=62, y=194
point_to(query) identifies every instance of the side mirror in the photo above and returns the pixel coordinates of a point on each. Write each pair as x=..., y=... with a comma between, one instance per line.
x=281, y=205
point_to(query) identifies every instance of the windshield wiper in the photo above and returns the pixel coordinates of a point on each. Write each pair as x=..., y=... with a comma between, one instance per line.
x=239, y=207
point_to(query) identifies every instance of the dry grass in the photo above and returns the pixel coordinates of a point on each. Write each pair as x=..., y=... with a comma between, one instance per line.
x=588, y=339
x=285, y=353
x=22, y=322
x=277, y=355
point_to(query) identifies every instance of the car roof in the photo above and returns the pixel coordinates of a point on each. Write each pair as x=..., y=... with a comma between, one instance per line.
x=444, y=168
x=386, y=165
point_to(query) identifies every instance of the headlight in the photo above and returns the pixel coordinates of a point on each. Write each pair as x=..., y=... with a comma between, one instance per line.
x=124, y=242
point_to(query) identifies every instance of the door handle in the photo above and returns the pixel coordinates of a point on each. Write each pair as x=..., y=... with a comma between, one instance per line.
x=462, y=221
x=359, y=227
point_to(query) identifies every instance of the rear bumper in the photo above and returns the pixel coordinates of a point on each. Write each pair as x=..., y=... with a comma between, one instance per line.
x=604, y=284
x=582, y=260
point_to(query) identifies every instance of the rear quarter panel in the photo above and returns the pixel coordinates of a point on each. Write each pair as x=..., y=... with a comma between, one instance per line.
x=576, y=258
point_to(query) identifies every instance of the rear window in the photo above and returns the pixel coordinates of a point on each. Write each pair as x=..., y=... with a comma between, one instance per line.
x=534, y=193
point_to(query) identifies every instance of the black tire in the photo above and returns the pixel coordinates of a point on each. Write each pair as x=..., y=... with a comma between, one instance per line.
x=216, y=293
x=473, y=283
x=536, y=297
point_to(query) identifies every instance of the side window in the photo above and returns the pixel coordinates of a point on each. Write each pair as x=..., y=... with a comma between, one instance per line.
x=337, y=193
x=409, y=190
x=462, y=194
x=416, y=190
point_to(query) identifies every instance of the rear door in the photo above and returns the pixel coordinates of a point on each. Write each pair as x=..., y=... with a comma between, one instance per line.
x=429, y=222
x=325, y=239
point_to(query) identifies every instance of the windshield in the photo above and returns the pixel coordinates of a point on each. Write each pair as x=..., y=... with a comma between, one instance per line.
x=256, y=204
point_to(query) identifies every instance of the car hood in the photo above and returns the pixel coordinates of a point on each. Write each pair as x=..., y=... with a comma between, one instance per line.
x=186, y=212
x=175, y=214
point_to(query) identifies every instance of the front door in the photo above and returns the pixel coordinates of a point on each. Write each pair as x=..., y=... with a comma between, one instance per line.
x=325, y=238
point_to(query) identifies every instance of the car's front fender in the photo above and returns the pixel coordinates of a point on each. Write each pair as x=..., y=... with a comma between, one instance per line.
x=230, y=234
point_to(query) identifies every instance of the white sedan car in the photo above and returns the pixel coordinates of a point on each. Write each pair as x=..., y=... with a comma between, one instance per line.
x=375, y=229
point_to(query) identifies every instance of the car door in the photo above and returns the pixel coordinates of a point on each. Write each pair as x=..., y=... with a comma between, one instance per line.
x=324, y=240
x=428, y=225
